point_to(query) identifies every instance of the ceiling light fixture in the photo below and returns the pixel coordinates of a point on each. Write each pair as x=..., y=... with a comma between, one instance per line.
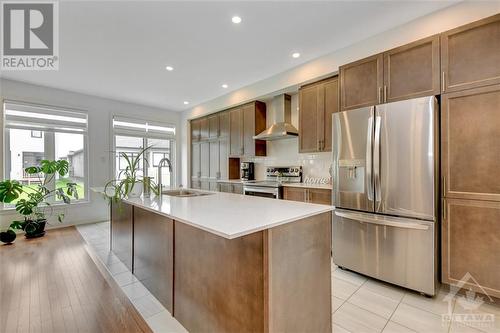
x=236, y=19
x=295, y=55
x=186, y=102
x=225, y=86
x=169, y=68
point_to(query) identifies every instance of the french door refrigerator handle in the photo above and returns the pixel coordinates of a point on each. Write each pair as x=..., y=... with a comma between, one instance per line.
x=380, y=220
x=376, y=158
x=368, y=168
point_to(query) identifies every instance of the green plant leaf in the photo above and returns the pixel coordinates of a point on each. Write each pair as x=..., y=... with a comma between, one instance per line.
x=33, y=170
x=16, y=225
x=10, y=190
x=49, y=167
x=25, y=207
x=60, y=217
x=62, y=167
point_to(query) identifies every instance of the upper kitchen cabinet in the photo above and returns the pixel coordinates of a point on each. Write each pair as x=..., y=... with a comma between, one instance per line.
x=245, y=122
x=361, y=83
x=470, y=123
x=412, y=70
x=318, y=101
x=470, y=55
x=204, y=128
x=223, y=124
x=195, y=129
x=213, y=126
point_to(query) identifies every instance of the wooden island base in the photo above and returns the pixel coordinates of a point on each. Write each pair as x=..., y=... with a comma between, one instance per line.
x=275, y=280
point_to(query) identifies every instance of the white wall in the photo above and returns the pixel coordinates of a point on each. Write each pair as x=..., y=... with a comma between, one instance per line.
x=448, y=18
x=100, y=112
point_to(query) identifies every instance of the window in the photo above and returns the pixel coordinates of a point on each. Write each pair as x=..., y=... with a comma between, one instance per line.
x=132, y=135
x=36, y=132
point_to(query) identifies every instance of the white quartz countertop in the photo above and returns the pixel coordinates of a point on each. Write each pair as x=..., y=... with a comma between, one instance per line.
x=229, y=215
x=309, y=185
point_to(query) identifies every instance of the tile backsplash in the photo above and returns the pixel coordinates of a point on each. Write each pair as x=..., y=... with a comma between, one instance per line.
x=285, y=152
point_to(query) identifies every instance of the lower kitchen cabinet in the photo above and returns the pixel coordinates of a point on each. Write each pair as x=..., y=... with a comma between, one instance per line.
x=311, y=195
x=154, y=254
x=230, y=187
x=122, y=230
x=471, y=244
x=195, y=183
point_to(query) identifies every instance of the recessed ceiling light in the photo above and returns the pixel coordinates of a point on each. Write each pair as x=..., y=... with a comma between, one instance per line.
x=295, y=54
x=236, y=19
x=225, y=86
x=169, y=68
x=186, y=102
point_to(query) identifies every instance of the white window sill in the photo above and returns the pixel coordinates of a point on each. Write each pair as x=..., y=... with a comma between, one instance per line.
x=56, y=206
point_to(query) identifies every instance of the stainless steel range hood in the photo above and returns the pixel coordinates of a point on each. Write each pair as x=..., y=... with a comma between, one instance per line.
x=282, y=127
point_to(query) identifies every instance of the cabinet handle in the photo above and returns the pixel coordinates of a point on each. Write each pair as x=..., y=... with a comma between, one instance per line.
x=444, y=210
x=380, y=95
x=443, y=85
x=444, y=186
x=385, y=93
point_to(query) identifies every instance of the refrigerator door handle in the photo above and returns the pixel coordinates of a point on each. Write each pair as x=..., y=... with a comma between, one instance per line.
x=380, y=220
x=368, y=168
x=376, y=158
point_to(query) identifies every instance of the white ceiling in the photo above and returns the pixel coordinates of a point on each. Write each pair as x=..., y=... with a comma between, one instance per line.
x=119, y=49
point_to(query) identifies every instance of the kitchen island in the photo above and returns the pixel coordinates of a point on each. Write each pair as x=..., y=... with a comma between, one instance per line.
x=230, y=263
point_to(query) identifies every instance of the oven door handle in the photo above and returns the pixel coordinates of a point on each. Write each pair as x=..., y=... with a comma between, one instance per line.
x=380, y=220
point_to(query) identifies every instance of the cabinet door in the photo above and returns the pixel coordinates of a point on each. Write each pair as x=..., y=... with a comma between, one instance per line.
x=319, y=196
x=195, y=183
x=470, y=134
x=213, y=126
x=212, y=186
x=223, y=124
x=205, y=185
x=195, y=130
x=195, y=160
x=361, y=83
x=225, y=187
x=205, y=159
x=236, y=132
x=223, y=159
x=412, y=70
x=122, y=230
x=204, y=132
x=238, y=188
x=249, y=129
x=294, y=193
x=470, y=55
x=214, y=159
x=308, y=119
x=331, y=106
x=154, y=254
x=471, y=244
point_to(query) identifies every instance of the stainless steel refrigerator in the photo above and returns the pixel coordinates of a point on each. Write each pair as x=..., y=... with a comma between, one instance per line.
x=385, y=172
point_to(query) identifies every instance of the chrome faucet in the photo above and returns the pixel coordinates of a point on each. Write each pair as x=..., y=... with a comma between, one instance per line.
x=160, y=165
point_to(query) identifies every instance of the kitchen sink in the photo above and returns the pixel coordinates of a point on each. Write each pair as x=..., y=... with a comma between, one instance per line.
x=185, y=193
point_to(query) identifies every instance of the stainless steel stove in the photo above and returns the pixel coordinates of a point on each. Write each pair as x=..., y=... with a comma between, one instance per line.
x=272, y=186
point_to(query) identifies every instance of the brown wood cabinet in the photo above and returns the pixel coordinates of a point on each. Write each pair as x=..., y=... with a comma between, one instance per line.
x=223, y=124
x=471, y=244
x=213, y=126
x=154, y=254
x=195, y=130
x=470, y=134
x=470, y=55
x=405, y=72
x=122, y=232
x=361, y=83
x=318, y=101
x=245, y=122
x=308, y=194
x=204, y=131
x=412, y=70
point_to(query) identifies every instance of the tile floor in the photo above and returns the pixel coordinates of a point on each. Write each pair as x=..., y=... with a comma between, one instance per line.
x=359, y=304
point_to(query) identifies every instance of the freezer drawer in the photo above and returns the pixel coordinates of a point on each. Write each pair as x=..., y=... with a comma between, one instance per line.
x=396, y=250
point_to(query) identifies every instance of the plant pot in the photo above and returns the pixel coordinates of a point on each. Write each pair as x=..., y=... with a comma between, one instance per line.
x=8, y=236
x=136, y=191
x=34, y=229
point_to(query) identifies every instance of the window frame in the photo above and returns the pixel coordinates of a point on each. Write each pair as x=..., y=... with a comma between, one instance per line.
x=49, y=149
x=144, y=136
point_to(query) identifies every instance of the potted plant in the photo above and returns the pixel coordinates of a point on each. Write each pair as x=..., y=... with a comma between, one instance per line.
x=128, y=183
x=34, y=204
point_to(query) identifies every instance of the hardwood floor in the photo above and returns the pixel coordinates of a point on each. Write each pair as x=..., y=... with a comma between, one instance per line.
x=51, y=284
